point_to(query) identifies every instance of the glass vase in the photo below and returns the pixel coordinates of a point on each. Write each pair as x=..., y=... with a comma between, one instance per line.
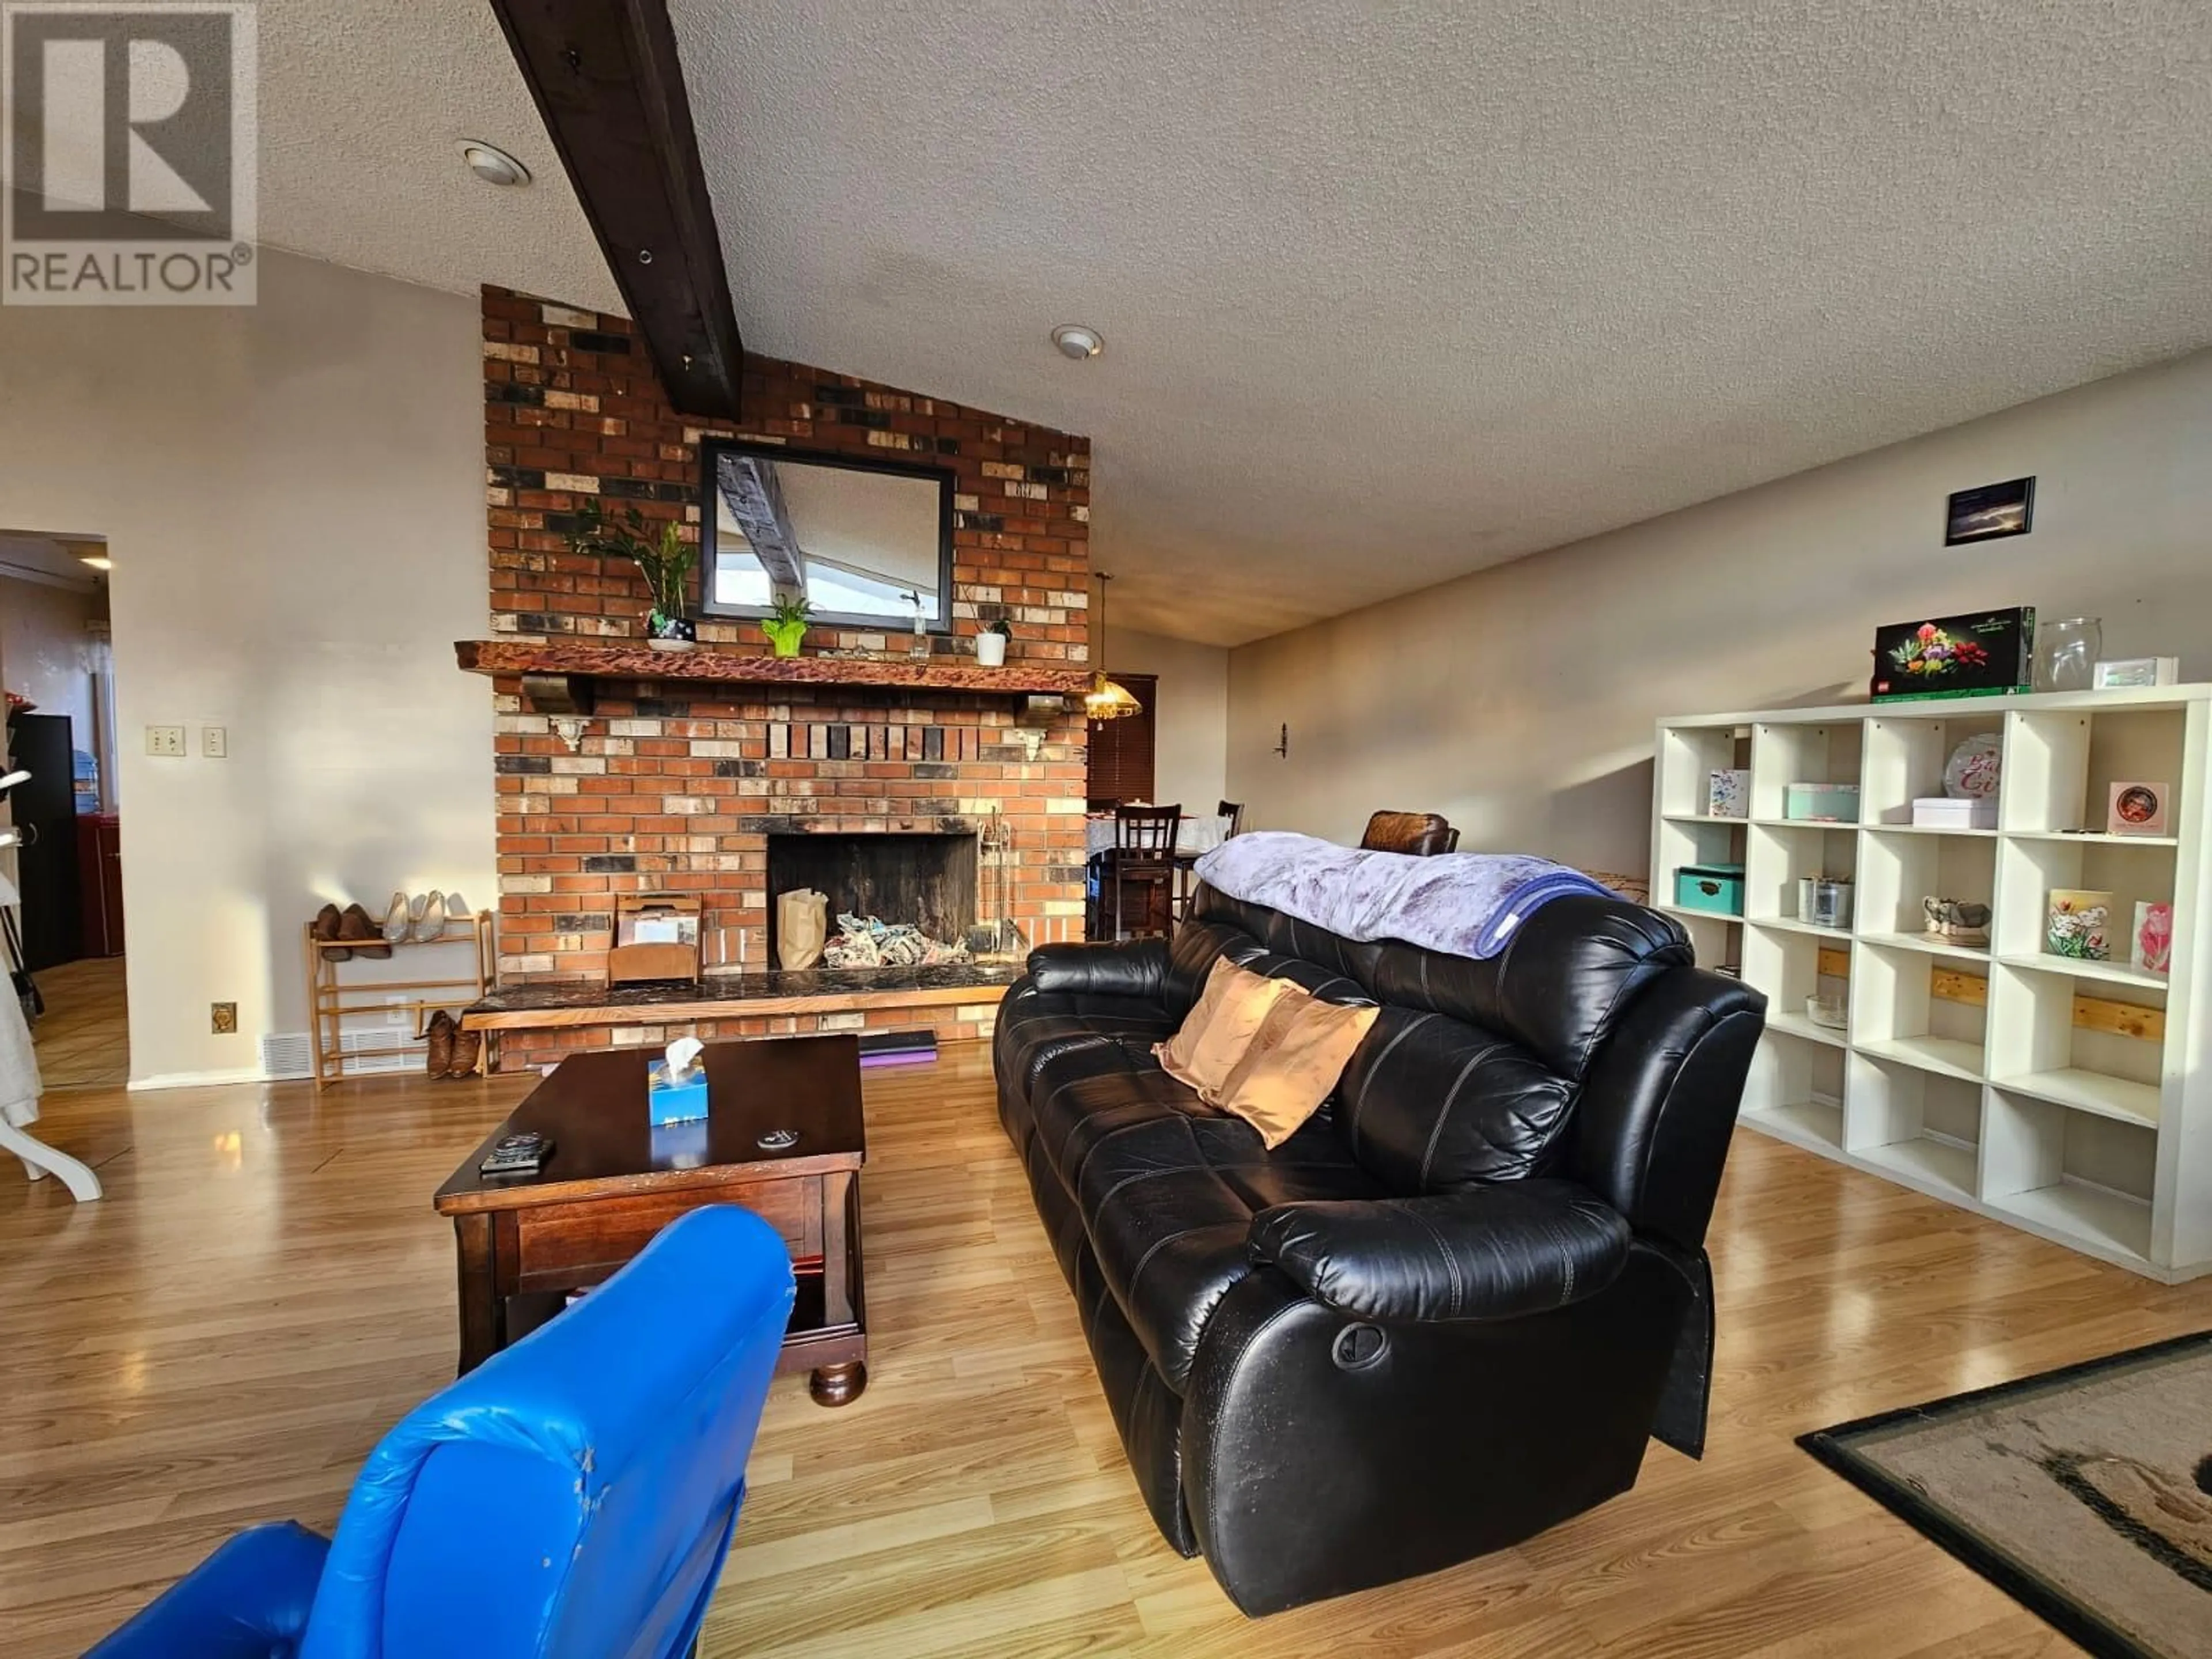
x=2066, y=652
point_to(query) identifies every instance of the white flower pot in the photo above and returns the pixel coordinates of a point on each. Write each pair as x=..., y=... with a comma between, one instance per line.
x=991, y=650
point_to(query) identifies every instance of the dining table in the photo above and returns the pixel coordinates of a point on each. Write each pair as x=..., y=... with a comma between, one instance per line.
x=1196, y=833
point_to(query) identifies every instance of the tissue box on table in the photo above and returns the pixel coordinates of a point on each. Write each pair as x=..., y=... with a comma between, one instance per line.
x=670, y=1102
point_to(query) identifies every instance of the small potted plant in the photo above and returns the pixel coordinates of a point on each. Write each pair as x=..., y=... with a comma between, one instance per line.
x=665, y=563
x=991, y=643
x=787, y=627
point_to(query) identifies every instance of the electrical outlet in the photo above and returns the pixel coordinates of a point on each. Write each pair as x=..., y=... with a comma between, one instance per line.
x=168, y=741
x=214, y=741
x=223, y=1018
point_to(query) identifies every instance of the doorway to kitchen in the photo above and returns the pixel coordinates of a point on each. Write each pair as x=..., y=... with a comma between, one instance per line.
x=61, y=883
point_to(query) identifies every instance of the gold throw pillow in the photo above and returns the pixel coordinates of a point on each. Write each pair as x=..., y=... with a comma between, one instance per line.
x=1300, y=1051
x=1220, y=1027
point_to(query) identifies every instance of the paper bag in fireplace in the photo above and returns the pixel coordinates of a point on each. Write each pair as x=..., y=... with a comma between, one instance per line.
x=802, y=926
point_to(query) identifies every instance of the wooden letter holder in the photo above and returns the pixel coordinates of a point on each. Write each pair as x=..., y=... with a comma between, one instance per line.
x=656, y=937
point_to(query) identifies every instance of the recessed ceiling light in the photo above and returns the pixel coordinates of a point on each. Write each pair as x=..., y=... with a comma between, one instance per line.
x=1078, y=342
x=493, y=165
x=97, y=560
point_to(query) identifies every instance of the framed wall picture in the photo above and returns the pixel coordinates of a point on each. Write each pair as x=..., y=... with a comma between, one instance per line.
x=1993, y=510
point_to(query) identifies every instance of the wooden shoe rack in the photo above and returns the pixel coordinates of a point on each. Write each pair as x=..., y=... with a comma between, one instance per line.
x=332, y=997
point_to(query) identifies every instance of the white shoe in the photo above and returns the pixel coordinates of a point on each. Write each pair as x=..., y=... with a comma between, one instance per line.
x=396, y=920
x=427, y=915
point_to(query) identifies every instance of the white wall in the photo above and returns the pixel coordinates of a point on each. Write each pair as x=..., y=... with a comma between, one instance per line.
x=45, y=654
x=293, y=497
x=1190, y=724
x=1519, y=702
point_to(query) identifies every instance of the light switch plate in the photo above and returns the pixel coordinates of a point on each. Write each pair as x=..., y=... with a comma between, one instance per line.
x=214, y=741
x=164, y=740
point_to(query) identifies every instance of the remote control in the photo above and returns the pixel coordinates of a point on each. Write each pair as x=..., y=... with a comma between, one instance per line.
x=518, y=1154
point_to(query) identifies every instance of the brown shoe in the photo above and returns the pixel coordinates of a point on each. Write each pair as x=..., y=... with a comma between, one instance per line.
x=326, y=930
x=439, y=1060
x=358, y=929
x=468, y=1048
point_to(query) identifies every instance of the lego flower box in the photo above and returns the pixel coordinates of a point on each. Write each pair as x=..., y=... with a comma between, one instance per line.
x=1989, y=653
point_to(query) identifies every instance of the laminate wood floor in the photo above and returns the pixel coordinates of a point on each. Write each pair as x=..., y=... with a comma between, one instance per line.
x=83, y=1041
x=265, y=1289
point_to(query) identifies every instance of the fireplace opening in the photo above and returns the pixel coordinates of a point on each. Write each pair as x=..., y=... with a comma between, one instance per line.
x=926, y=881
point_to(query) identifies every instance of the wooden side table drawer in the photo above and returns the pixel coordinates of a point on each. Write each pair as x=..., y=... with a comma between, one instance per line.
x=562, y=1245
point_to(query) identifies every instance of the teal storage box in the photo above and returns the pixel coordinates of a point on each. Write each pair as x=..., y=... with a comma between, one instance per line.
x=1821, y=803
x=1714, y=887
x=670, y=1103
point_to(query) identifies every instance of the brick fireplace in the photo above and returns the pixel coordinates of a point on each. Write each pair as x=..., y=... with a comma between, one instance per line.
x=676, y=783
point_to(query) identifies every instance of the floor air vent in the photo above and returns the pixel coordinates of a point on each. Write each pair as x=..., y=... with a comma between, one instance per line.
x=286, y=1054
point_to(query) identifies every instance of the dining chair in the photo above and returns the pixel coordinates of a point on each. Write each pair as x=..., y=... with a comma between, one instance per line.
x=1143, y=856
x=1233, y=812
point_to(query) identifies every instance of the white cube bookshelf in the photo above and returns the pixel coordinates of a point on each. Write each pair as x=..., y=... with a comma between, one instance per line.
x=2069, y=1098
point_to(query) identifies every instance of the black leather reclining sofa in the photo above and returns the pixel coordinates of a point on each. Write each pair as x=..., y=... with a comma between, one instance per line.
x=1449, y=1310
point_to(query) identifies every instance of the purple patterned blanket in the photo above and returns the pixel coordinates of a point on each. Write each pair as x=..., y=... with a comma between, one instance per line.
x=1466, y=904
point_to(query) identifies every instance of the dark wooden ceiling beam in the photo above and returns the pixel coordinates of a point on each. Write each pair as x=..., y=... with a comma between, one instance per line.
x=610, y=88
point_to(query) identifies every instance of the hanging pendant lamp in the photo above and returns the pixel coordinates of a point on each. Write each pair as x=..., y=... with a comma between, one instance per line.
x=1106, y=700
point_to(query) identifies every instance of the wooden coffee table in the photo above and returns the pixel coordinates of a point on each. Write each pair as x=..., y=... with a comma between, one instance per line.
x=527, y=1243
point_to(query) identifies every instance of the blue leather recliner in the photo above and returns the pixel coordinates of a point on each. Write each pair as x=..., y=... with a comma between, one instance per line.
x=572, y=1497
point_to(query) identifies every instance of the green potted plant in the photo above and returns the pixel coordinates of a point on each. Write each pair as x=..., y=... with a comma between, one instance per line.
x=991, y=643
x=787, y=627
x=665, y=563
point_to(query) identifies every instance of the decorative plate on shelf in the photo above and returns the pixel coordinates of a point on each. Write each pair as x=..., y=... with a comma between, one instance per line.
x=1971, y=774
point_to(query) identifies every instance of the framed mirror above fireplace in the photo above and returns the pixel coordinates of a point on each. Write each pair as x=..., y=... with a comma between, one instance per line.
x=868, y=543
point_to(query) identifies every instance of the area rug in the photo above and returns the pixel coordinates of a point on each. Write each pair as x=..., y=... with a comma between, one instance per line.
x=2085, y=1493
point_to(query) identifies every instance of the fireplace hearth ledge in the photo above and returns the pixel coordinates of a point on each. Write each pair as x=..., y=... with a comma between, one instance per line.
x=547, y=1006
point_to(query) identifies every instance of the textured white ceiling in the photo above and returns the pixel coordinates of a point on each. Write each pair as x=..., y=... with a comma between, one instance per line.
x=364, y=106
x=1390, y=291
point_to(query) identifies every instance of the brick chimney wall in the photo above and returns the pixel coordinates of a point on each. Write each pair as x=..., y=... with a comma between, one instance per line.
x=678, y=783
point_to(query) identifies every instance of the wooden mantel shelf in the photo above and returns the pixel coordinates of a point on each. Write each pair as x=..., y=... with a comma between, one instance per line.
x=552, y=672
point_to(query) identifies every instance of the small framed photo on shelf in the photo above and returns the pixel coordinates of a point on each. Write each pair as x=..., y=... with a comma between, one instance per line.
x=2153, y=949
x=2079, y=924
x=1728, y=794
x=1983, y=515
x=2137, y=809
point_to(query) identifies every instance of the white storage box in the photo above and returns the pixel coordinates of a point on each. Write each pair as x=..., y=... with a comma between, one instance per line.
x=1941, y=812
